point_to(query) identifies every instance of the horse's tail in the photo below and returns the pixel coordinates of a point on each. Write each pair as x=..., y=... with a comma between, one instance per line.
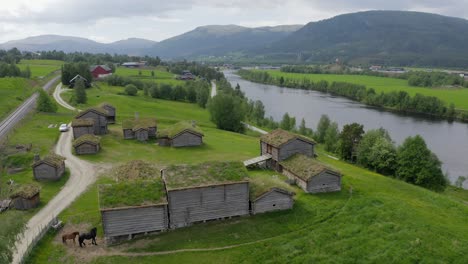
x=63, y=239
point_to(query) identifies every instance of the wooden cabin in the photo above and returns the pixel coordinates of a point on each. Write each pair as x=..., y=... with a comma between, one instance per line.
x=274, y=199
x=99, y=116
x=110, y=112
x=208, y=191
x=311, y=175
x=281, y=145
x=87, y=144
x=131, y=208
x=26, y=197
x=141, y=128
x=82, y=127
x=182, y=134
x=77, y=77
x=52, y=167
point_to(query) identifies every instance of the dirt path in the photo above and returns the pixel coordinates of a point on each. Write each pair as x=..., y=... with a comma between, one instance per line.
x=59, y=99
x=213, y=89
x=82, y=175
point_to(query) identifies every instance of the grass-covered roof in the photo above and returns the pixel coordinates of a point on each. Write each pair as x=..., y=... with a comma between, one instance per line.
x=51, y=159
x=209, y=173
x=305, y=167
x=260, y=184
x=136, y=124
x=87, y=138
x=279, y=137
x=136, y=170
x=105, y=104
x=178, y=128
x=99, y=110
x=26, y=191
x=82, y=122
x=132, y=193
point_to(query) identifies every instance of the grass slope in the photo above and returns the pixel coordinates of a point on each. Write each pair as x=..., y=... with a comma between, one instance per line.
x=161, y=75
x=458, y=96
x=40, y=68
x=13, y=91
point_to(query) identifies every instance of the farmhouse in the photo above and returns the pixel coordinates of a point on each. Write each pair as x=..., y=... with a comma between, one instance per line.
x=110, y=112
x=51, y=167
x=270, y=194
x=87, y=144
x=26, y=197
x=133, y=64
x=141, y=128
x=182, y=134
x=129, y=208
x=82, y=127
x=100, y=71
x=79, y=77
x=311, y=175
x=281, y=144
x=209, y=191
x=98, y=115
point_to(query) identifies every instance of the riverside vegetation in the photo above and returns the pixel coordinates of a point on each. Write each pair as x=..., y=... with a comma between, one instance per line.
x=402, y=98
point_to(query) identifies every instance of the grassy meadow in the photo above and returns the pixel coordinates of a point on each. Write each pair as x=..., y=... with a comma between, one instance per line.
x=458, y=96
x=13, y=91
x=374, y=219
x=40, y=68
x=161, y=75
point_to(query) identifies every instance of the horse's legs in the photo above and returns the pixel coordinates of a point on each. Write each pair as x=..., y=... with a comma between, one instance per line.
x=94, y=240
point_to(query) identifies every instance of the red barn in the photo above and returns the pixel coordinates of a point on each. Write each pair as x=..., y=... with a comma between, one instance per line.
x=100, y=71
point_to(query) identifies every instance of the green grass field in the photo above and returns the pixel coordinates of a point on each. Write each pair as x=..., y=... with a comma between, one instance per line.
x=458, y=96
x=381, y=220
x=40, y=68
x=13, y=91
x=161, y=75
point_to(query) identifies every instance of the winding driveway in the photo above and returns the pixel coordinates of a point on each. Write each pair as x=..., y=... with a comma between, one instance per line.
x=82, y=175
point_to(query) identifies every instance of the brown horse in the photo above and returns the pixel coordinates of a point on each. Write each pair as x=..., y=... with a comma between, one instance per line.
x=70, y=236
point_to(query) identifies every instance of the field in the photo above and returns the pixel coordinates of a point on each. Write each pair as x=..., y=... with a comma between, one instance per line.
x=161, y=75
x=373, y=219
x=13, y=91
x=458, y=96
x=44, y=138
x=40, y=68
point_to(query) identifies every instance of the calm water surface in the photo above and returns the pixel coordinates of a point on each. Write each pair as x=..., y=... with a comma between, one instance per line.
x=449, y=140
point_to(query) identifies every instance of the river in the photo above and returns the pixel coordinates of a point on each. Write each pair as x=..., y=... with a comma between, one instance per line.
x=448, y=140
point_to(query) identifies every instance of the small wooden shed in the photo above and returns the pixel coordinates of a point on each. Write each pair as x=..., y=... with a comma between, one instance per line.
x=87, y=144
x=281, y=145
x=132, y=208
x=52, y=167
x=82, y=127
x=77, y=77
x=110, y=112
x=270, y=193
x=182, y=134
x=26, y=197
x=98, y=115
x=140, y=128
x=208, y=191
x=311, y=175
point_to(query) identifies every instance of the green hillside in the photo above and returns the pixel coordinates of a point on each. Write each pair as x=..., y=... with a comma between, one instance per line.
x=13, y=92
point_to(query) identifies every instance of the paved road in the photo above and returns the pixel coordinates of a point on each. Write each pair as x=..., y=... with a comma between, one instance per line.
x=82, y=175
x=213, y=89
x=14, y=118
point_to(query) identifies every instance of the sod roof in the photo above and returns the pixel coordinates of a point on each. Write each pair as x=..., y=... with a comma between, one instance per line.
x=136, y=124
x=51, y=159
x=279, y=137
x=87, y=138
x=105, y=104
x=26, y=191
x=99, y=110
x=205, y=174
x=136, y=170
x=261, y=184
x=82, y=122
x=178, y=128
x=132, y=193
x=305, y=167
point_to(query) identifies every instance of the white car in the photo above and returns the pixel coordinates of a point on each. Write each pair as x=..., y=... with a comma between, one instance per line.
x=63, y=128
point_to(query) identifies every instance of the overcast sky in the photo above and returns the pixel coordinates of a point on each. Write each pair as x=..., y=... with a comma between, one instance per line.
x=111, y=20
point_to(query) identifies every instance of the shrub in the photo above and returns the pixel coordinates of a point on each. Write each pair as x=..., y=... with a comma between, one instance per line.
x=131, y=90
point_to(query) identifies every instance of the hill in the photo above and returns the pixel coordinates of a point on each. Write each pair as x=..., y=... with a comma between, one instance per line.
x=131, y=46
x=381, y=37
x=219, y=40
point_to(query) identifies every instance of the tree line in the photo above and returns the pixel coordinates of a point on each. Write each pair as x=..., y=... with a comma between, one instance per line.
x=399, y=101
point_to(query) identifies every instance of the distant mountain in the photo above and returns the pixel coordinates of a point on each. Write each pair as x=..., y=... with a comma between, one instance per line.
x=384, y=37
x=219, y=40
x=131, y=46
